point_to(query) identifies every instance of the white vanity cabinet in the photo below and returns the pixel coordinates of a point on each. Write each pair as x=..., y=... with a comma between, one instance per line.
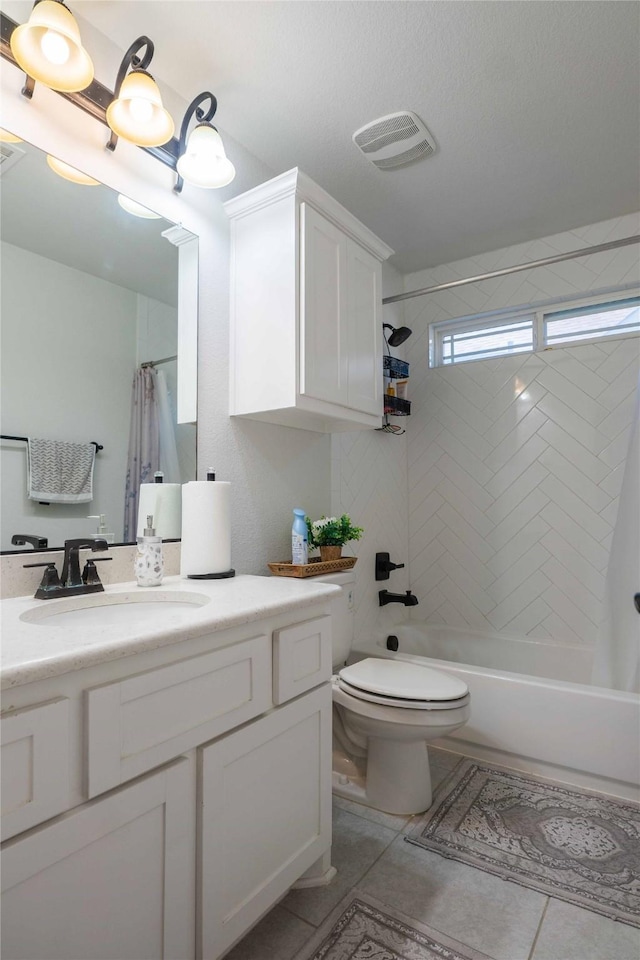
x=194, y=790
x=265, y=819
x=306, y=309
x=111, y=878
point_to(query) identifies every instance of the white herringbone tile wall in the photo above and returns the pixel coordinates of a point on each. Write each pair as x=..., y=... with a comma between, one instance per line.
x=369, y=482
x=515, y=464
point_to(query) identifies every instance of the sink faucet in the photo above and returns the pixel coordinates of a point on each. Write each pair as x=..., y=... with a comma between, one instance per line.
x=71, y=583
x=70, y=576
x=38, y=543
x=408, y=598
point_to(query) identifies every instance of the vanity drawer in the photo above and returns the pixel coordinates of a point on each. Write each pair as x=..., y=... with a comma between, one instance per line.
x=136, y=724
x=301, y=658
x=35, y=765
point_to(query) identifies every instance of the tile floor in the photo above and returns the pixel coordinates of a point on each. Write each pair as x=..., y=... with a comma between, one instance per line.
x=499, y=918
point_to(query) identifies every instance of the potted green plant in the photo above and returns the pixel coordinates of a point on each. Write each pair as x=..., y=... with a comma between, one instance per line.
x=330, y=534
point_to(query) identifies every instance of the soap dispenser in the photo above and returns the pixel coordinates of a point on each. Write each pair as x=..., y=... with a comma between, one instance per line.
x=149, y=563
x=102, y=531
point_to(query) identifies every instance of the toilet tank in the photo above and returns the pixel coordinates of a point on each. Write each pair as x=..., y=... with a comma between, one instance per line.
x=342, y=614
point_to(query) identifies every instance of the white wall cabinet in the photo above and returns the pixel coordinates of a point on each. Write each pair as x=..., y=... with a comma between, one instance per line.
x=228, y=737
x=306, y=309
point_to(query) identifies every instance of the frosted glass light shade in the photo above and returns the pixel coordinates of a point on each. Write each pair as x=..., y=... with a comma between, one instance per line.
x=204, y=162
x=48, y=47
x=67, y=172
x=138, y=115
x=7, y=137
x=136, y=209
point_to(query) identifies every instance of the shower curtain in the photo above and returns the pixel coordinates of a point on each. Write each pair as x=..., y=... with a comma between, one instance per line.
x=144, y=444
x=617, y=654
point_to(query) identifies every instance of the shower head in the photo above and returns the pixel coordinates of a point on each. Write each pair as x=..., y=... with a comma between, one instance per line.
x=398, y=335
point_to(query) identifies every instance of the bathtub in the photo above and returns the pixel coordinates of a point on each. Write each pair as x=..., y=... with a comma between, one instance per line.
x=532, y=706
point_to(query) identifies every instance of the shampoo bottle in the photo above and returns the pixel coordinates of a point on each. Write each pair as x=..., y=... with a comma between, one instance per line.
x=149, y=563
x=299, y=541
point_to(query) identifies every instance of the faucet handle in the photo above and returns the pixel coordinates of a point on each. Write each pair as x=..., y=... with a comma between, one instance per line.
x=384, y=565
x=90, y=572
x=50, y=583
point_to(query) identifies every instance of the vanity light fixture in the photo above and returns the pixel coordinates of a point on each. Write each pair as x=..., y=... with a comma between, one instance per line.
x=136, y=209
x=67, y=172
x=49, y=49
x=136, y=113
x=6, y=137
x=133, y=111
x=202, y=160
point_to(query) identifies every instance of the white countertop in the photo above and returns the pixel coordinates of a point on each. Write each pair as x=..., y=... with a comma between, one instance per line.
x=35, y=651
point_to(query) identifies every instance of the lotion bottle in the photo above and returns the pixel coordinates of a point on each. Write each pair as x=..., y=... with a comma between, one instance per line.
x=149, y=562
x=102, y=531
x=299, y=540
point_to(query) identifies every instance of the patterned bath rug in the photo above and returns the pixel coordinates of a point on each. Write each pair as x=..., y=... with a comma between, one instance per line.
x=566, y=843
x=361, y=928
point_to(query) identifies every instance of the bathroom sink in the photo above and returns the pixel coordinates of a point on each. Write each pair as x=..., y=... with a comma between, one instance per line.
x=115, y=609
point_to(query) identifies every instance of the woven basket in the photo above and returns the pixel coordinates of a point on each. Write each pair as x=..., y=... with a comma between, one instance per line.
x=314, y=568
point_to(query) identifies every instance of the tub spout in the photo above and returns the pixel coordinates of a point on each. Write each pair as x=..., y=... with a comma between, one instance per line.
x=408, y=598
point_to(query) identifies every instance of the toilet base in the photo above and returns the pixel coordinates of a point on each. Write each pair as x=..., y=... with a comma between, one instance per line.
x=397, y=778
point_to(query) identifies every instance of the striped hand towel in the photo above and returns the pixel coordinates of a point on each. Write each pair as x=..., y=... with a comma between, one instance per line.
x=60, y=472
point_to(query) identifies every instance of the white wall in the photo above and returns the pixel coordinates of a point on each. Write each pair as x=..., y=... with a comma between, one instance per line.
x=272, y=468
x=515, y=464
x=67, y=363
x=369, y=482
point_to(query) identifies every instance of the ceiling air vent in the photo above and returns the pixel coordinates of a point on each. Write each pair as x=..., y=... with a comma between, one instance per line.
x=9, y=156
x=395, y=140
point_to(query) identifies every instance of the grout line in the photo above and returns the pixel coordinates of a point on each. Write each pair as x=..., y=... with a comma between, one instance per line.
x=538, y=931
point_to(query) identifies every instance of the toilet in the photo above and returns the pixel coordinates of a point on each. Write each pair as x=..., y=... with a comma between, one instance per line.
x=384, y=712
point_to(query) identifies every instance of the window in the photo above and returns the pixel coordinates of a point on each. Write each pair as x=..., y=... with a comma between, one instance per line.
x=594, y=322
x=503, y=334
x=489, y=339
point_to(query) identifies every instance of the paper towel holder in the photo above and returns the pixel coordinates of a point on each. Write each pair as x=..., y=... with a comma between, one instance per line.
x=211, y=576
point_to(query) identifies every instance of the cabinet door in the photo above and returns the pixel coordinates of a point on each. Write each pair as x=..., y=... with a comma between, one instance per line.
x=113, y=878
x=364, y=312
x=265, y=815
x=323, y=314
x=35, y=765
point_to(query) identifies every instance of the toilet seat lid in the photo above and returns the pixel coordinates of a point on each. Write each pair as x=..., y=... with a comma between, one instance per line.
x=403, y=680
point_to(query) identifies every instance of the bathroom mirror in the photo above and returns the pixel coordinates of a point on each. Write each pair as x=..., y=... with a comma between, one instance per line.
x=89, y=293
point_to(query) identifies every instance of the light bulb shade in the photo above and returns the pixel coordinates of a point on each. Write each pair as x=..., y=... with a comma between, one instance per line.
x=7, y=137
x=52, y=21
x=136, y=209
x=204, y=162
x=138, y=115
x=67, y=172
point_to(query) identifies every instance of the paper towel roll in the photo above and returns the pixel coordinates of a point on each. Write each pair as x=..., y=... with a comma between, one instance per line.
x=164, y=501
x=206, y=527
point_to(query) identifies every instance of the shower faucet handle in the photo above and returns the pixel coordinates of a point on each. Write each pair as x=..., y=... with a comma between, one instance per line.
x=384, y=566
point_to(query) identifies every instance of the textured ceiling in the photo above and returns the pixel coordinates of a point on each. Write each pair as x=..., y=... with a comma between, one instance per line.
x=533, y=105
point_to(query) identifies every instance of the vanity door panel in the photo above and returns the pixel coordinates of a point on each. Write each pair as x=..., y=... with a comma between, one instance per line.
x=264, y=815
x=113, y=878
x=138, y=723
x=301, y=658
x=35, y=765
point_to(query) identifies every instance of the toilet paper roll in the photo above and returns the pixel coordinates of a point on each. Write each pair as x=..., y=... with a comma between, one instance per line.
x=206, y=528
x=164, y=501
